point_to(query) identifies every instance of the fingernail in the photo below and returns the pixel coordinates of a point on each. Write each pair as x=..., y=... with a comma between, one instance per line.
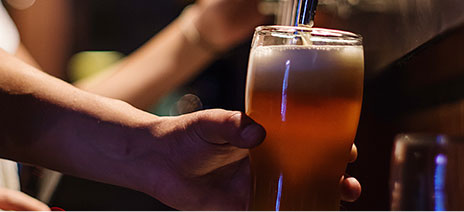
x=350, y=189
x=253, y=133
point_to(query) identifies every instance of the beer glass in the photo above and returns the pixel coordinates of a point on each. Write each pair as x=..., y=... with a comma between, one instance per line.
x=304, y=85
x=426, y=173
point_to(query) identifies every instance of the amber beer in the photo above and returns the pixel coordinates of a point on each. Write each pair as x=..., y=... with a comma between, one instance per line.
x=308, y=97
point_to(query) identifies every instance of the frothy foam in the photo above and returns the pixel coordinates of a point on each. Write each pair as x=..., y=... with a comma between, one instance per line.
x=313, y=69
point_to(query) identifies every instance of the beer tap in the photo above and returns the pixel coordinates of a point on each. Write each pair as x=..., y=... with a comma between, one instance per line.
x=304, y=12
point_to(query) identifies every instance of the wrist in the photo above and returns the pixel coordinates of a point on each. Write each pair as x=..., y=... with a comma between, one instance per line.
x=118, y=145
x=153, y=173
x=130, y=155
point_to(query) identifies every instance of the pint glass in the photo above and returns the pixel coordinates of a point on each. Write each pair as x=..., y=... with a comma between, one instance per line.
x=304, y=85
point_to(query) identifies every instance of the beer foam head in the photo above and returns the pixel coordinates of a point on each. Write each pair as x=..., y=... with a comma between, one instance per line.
x=307, y=68
x=305, y=56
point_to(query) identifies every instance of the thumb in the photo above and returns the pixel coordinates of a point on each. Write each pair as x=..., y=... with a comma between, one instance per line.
x=219, y=126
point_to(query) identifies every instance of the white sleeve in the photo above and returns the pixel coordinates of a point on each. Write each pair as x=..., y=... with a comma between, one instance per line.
x=9, y=177
x=9, y=36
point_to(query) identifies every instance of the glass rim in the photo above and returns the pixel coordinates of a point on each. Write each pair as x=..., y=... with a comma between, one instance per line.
x=428, y=138
x=315, y=31
x=422, y=138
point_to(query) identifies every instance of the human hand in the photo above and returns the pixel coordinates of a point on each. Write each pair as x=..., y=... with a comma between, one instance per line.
x=207, y=166
x=225, y=23
x=11, y=200
x=350, y=188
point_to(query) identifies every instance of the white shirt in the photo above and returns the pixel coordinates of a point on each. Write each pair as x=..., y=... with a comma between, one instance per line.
x=9, y=36
x=9, y=41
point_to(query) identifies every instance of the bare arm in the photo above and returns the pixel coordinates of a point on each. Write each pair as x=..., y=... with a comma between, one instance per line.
x=162, y=64
x=159, y=66
x=203, y=155
x=170, y=58
x=48, y=122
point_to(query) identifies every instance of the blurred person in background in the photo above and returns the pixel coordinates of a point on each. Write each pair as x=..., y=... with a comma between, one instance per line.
x=179, y=52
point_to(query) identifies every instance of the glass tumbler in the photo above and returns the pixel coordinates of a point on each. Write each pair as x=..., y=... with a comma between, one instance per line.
x=426, y=173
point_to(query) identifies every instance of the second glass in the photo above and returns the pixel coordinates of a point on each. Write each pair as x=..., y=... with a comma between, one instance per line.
x=304, y=85
x=426, y=173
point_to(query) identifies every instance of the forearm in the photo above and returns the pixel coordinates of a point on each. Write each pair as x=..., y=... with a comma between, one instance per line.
x=162, y=64
x=47, y=122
